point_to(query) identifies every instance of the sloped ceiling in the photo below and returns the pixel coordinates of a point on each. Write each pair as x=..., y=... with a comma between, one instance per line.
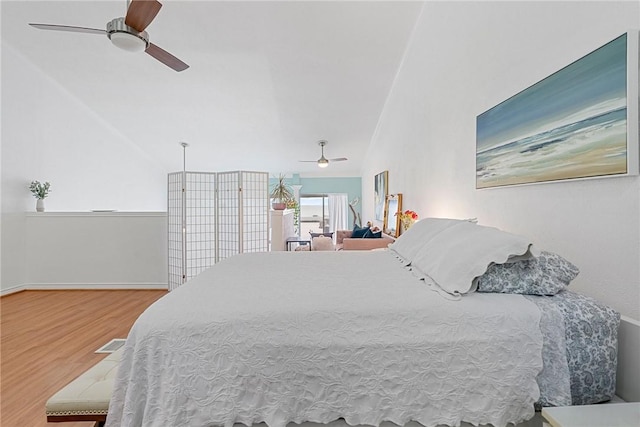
x=266, y=81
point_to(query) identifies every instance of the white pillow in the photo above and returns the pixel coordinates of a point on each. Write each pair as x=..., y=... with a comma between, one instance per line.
x=410, y=242
x=322, y=243
x=459, y=254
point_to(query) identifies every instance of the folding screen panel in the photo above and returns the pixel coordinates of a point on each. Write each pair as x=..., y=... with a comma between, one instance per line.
x=175, y=225
x=255, y=211
x=200, y=217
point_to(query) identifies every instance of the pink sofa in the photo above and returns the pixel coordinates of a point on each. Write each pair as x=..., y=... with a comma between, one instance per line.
x=345, y=242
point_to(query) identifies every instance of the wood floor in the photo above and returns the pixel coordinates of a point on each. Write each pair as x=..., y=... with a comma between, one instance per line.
x=48, y=338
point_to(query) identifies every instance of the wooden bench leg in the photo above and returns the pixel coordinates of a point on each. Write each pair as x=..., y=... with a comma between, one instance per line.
x=99, y=424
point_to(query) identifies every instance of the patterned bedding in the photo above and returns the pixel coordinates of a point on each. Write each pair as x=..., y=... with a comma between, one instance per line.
x=591, y=343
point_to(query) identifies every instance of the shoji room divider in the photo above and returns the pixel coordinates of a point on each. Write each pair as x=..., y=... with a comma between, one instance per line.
x=212, y=216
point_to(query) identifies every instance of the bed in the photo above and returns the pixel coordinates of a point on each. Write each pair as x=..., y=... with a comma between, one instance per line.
x=408, y=334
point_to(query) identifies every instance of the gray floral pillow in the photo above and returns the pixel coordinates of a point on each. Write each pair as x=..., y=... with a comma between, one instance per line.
x=547, y=274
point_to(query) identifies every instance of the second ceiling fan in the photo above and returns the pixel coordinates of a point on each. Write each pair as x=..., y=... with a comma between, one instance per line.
x=323, y=162
x=128, y=32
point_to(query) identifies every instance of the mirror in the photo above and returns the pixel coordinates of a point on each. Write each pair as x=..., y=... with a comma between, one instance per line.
x=392, y=209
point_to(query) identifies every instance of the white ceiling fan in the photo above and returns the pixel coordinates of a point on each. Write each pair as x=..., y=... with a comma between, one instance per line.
x=128, y=32
x=323, y=162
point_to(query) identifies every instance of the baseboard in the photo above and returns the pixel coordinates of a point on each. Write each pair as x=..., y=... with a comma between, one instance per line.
x=628, y=375
x=82, y=286
x=12, y=290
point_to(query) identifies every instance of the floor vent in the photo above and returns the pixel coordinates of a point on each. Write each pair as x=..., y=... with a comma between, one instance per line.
x=112, y=345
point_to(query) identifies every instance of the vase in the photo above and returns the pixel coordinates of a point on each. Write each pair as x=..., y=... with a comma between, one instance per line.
x=405, y=225
x=40, y=205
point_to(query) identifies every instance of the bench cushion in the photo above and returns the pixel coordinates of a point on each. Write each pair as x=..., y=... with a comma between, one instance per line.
x=87, y=397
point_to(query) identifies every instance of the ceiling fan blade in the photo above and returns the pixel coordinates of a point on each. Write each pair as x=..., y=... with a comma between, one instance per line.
x=339, y=159
x=68, y=28
x=166, y=58
x=141, y=13
x=308, y=161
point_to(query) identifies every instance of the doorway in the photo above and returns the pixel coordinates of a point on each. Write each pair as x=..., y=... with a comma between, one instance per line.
x=314, y=214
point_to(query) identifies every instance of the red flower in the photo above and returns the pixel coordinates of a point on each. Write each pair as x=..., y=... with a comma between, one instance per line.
x=408, y=215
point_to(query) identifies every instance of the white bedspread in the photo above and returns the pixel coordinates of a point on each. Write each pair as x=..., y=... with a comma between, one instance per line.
x=315, y=336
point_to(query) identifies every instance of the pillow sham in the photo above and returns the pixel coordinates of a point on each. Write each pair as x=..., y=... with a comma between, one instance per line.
x=456, y=256
x=410, y=242
x=547, y=274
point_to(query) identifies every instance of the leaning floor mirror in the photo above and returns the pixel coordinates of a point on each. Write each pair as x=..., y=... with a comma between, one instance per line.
x=392, y=210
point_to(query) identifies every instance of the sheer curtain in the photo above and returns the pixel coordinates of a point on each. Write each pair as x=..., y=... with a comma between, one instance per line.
x=338, y=211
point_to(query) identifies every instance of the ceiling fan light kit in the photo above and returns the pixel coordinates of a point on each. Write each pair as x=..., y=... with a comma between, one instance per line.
x=323, y=162
x=125, y=37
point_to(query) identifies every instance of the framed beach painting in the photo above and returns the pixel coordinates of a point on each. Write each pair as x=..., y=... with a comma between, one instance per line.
x=380, y=192
x=579, y=122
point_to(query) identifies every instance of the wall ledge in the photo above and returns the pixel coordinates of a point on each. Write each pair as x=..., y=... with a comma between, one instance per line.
x=96, y=214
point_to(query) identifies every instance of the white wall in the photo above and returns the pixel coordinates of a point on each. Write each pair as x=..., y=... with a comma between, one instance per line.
x=466, y=57
x=48, y=135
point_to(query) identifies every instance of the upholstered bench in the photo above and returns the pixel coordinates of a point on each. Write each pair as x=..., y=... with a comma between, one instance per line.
x=87, y=397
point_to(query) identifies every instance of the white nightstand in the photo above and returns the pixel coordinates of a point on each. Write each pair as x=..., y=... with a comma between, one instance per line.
x=603, y=415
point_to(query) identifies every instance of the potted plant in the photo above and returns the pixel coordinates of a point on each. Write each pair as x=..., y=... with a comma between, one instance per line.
x=293, y=204
x=40, y=191
x=281, y=193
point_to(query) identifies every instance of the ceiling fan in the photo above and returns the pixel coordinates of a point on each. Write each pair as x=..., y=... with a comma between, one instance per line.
x=323, y=162
x=129, y=33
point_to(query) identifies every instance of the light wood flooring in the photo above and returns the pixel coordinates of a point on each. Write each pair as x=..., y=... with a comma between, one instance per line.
x=48, y=338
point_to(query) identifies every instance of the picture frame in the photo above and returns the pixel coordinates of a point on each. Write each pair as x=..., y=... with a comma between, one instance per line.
x=580, y=122
x=392, y=210
x=380, y=192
